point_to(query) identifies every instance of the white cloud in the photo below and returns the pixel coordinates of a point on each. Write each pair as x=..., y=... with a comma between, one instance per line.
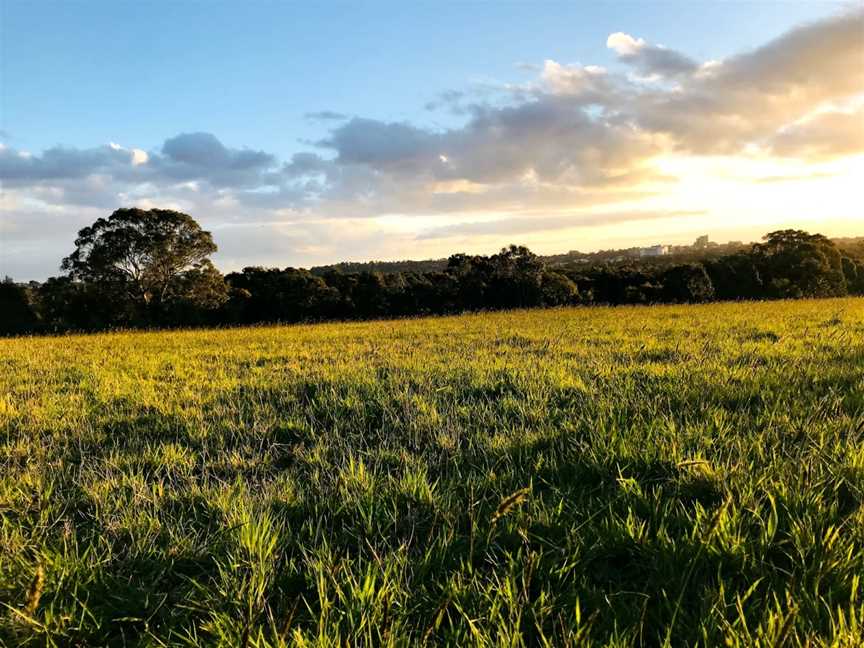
x=139, y=157
x=624, y=44
x=654, y=61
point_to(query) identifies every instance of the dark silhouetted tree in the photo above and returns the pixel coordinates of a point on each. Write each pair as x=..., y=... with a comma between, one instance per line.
x=156, y=260
x=273, y=295
x=16, y=313
x=686, y=283
x=64, y=304
x=735, y=276
x=472, y=275
x=853, y=272
x=517, y=278
x=794, y=263
x=557, y=289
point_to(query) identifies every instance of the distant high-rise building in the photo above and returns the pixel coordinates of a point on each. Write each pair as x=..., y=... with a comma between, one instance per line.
x=701, y=242
x=654, y=251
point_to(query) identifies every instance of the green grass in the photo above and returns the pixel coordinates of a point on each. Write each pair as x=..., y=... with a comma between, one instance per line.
x=687, y=475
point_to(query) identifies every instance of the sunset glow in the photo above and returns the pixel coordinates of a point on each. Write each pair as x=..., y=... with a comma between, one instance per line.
x=644, y=143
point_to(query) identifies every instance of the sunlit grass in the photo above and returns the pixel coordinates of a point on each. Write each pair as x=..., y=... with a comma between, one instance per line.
x=687, y=475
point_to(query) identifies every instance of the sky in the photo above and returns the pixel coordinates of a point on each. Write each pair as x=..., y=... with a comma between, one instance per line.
x=310, y=133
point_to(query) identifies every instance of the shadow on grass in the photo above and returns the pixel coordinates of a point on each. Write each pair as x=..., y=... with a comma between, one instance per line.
x=618, y=535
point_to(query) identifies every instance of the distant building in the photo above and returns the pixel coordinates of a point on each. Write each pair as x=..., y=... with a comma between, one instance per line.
x=654, y=251
x=701, y=242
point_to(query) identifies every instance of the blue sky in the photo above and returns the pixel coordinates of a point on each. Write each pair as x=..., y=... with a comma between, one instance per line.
x=78, y=76
x=79, y=73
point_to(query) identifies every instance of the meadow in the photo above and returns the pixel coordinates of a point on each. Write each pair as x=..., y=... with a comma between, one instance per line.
x=630, y=476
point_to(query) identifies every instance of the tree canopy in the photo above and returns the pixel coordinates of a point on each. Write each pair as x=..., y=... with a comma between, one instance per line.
x=794, y=263
x=152, y=258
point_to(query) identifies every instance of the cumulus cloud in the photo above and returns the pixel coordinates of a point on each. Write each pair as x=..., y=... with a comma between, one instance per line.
x=825, y=135
x=191, y=156
x=585, y=125
x=184, y=160
x=650, y=59
x=380, y=144
x=591, y=83
x=59, y=163
x=550, y=138
x=752, y=96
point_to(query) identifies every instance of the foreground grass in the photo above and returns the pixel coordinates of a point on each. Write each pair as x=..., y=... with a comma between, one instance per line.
x=630, y=476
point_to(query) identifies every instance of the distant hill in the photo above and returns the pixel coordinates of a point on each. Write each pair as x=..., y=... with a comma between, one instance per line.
x=671, y=254
x=853, y=246
x=384, y=267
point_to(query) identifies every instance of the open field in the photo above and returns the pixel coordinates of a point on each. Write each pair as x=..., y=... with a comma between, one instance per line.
x=601, y=476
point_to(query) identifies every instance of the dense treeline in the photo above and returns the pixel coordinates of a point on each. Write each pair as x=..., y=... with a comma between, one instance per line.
x=152, y=268
x=384, y=267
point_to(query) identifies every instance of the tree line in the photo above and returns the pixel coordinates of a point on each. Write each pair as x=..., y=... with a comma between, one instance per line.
x=152, y=268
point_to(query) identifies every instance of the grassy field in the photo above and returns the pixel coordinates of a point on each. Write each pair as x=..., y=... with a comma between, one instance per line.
x=685, y=475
